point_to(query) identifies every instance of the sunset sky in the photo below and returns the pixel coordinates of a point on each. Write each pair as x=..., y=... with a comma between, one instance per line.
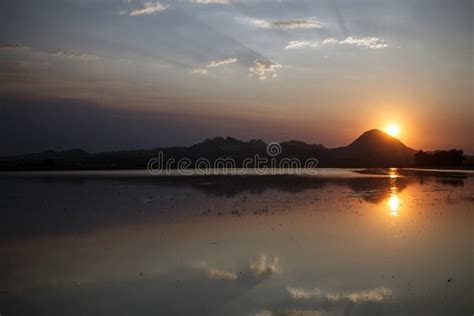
x=106, y=75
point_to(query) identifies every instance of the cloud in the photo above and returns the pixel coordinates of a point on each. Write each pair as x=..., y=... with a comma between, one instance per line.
x=69, y=54
x=330, y=40
x=292, y=312
x=258, y=22
x=8, y=46
x=263, y=265
x=221, y=62
x=373, y=295
x=369, y=42
x=262, y=69
x=148, y=8
x=199, y=71
x=297, y=24
x=309, y=23
x=300, y=44
x=213, y=64
x=212, y=1
x=62, y=53
x=214, y=273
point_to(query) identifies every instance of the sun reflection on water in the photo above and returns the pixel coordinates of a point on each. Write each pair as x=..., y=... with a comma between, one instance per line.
x=393, y=201
x=393, y=172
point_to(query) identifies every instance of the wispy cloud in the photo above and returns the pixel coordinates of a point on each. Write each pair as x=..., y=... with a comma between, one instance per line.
x=330, y=40
x=373, y=295
x=199, y=71
x=148, y=8
x=291, y=312
x=62, y=53
x=7, y=46
x=308, y=23
x=212, y=1
x=263, y=69
x=368, y=42
x=221, y=62
x=300, y=44
x=213, y=64
x=256, y=22
x=70, y=54
x=297, y=24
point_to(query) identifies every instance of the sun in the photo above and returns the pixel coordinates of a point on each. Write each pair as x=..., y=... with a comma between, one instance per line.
x=392, y=130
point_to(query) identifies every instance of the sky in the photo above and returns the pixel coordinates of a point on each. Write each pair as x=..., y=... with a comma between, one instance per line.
x=108, y=75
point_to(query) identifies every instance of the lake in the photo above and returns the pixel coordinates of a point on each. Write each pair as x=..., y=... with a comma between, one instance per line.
x=342, y=242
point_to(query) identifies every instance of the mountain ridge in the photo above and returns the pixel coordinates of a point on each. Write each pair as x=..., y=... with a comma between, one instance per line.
x=372, y=148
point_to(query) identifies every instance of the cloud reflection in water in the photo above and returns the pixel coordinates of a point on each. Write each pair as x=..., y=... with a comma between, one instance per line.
x=260, y=267
x=373, y=295
x=264, y=265
x=215, y=273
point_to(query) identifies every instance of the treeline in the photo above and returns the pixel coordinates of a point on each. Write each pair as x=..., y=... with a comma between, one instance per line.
x=442, y=158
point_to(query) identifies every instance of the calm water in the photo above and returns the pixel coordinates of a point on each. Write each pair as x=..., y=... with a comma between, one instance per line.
x=376, y=242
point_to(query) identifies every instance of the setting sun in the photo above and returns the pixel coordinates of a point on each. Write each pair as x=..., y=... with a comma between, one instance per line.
x=392, y=130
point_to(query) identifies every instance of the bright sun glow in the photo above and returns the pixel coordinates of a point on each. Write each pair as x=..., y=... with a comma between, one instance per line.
x=392, y=130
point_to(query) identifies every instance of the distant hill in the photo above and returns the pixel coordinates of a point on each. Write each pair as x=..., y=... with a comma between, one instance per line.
x=448, y=158
x=49, y=154
x=373, y=148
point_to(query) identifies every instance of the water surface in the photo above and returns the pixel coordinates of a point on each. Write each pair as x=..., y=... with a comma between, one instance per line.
x=345, y=242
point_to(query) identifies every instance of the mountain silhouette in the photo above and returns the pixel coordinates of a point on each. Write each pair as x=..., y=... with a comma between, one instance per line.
x=373, y=148
x=228, y=144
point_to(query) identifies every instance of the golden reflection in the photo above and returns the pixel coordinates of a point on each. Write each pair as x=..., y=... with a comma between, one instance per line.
x=393, y=201
x=393, y=172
